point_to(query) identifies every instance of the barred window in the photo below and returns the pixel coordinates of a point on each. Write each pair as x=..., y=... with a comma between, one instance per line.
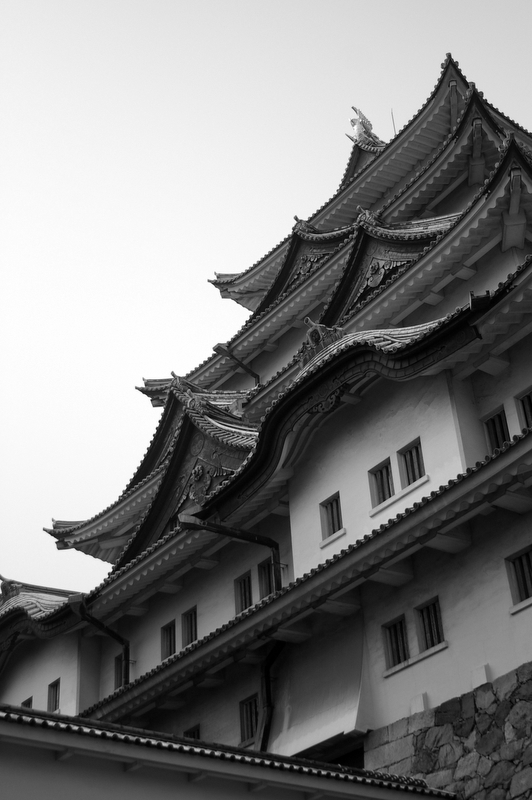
x=249, y=717
x=28, y=703
x=526, y=406
x=396, y=642
x=119, y=671
x=53, y=695
x=266, y=582
x=522, y=573
x=243, y=595
x=189, y=626
x=412, y=463
x=497, y=429
x=192, y=733
x=430, y=626
x=381, y=482
x=331, y=516
x=168, y=643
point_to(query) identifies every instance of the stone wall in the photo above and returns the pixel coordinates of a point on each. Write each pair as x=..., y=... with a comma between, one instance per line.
x=478, y=745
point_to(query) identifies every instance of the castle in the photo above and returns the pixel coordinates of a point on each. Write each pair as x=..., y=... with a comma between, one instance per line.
x=326, y=551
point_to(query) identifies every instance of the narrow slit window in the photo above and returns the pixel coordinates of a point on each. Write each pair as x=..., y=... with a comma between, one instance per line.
x=119, y=671
x=266, y=582
x=331, y=516
x=521, y=566
x=430, y=625
x=497, y=429
x=396, y=643
x=249, y=717
x=53, y=695
x=243, y=595
x=381, y=483
x=526, y=406
x=168, y=641
x=413, y=467
x=189, y=626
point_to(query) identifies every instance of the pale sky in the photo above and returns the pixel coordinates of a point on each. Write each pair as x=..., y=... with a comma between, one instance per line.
x=146, y=144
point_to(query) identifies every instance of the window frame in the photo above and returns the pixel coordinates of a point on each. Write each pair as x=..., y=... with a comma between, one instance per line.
x=374, y=488
x=513, y=577
x=389, y=645
x=54, y=696
x=498, y=412
x=168, y=640
x=328, y=515
x=424, y=637
x=524, y=414
x=266, y=578
x=240, y=598
x=189, y=626
x=249, y=723
x=405, y=469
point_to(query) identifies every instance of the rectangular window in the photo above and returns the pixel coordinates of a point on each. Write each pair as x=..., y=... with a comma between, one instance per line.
x=396, y=642
x=266, y=582
x=119, y=671
x=381, y=483
x=331, y=516
x=521, y=567
x=249, y=717
x=243, y=596
x=497, y=429
x=53, y=695
x=412, y=463
x=189, y=626
x=526, y=407
x=192, y=733
x=28, y=703
x=168, y=640
x=430, y=627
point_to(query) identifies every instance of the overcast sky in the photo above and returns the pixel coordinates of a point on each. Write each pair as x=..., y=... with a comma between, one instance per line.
x=146, y=144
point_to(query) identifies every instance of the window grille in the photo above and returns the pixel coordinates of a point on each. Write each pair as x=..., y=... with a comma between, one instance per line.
x=119, y=671
x=413, y=463
x=382, y=483
x=243, y=596
x=168, y=640
x=192, y=733
x=522, y=569
x=526, y=405
x=28, y=703
x=396, y=642
x=497, y=428
x=266, y=582
x=189, y=626
x=331, y=516
x=249, y=717
x=53, y=695
x=430, y=625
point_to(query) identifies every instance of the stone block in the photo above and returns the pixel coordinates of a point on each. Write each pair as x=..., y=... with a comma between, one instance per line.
x=524, y=672
x=467, y=705
x=463, y=727
x=403, y=767
x=500, y=774
x=496, y=794
x=502, y=712
x=447, y=712
x=389, y=754
x=521, y=782
x=421, y=721
x=512, y=750
x=471, y=787
x=424, y=762
x=525, y=691
x=521, y=714
x=484, y=696
x=483, y=722
x=439, y=780
x=484, y=765
x=527, y=756
x=441, y=734
x=449, y=754
x=377, y=738
x=490, y=741
x=398, y=730
x=467, y=766
x=509, y=732
x=471, y=742
x=505, y=685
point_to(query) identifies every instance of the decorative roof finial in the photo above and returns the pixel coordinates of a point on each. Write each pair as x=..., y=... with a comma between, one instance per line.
x=363, y=130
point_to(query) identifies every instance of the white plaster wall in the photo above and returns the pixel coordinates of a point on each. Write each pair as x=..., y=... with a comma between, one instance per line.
x=357, y=438
x=35, y=664
x=475, y=601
